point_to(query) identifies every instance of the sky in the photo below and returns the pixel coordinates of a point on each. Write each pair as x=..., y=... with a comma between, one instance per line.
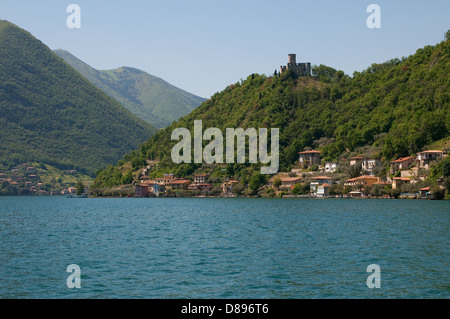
x=202, y=46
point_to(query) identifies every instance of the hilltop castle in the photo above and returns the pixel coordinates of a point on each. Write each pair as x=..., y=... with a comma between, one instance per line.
x=302, y=69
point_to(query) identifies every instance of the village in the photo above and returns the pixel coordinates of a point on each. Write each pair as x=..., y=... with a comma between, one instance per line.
x=40, y=180
x=356, y=177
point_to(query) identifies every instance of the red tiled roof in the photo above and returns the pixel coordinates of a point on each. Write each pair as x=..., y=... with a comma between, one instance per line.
x=309, y=152
x=425, y=189
x=321, y=177
x=182, y=181
x=360, y=178
x=402, y=159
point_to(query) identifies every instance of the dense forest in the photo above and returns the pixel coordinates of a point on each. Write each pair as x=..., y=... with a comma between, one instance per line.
x=50, y=114
x=389, y=110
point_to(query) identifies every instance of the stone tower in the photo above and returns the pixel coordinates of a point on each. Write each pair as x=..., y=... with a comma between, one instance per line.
x=291, y=59
x=302, y=69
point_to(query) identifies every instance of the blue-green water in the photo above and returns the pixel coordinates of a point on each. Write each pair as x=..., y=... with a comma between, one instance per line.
x=223, y=248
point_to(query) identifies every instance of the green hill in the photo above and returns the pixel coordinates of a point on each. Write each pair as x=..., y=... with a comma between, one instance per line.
x=391, y=109
x=50, y=114
x=145, y=95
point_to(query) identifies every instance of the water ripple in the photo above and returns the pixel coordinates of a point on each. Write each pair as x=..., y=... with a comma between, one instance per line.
x=223, y=248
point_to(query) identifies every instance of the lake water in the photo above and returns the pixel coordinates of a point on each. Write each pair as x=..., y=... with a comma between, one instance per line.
x=223, y=247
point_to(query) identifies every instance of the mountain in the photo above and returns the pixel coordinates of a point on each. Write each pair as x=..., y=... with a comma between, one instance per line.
x=50, y=114
x=390, y=109
x=145, y=95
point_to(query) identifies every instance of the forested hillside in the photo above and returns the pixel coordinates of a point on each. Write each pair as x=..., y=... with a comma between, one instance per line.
x=50, y=114
x=390, y=109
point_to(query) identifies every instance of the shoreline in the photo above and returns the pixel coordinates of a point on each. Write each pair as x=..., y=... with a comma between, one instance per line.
x=274, y=197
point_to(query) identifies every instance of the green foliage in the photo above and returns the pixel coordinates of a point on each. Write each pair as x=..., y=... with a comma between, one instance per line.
x=147, y=96
x=50, y=114
x=442, y=169
x=127, y=178
x=277, y=182
x=394, y=108
x=301, y=189
x=80, y=188
x=327, y=74
x=256, y=181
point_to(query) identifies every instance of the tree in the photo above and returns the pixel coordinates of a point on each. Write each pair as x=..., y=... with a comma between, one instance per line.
x=323, y=72
x=80, y=188
x=127, y=178
x=447, y=35
x=238, y=189
x=277, y=182
x=256, y=181
x=446, y=184
x=354, y=170
x=298, y=189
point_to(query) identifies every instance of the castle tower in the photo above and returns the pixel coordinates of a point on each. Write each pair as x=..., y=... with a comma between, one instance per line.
x=301, y=69
x=291, y=59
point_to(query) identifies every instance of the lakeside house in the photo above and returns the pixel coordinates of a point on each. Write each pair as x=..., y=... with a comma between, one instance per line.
x=356, y=194
x=368, y=165
x=330, y=167
x=319, y=181
x=323, y=190
x=168, y=178
x=141, y=190
x=200, y=179
x=309, y=158
x=145, y=188
x=178, y=184
x=200, y=187
x=286, y=182
x=401, y=164
x=160, y=180
x=365, y=180
x=426, y=157
x=356, y=160
x=200, y=183
x=425, y=193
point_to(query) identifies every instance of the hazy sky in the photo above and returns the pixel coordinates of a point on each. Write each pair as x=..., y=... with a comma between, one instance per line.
x=203, y=46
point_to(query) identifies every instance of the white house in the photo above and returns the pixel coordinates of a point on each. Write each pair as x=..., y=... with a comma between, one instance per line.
x=318, y=181
x=330, y=167
x=323, y=190
x=424, y=158
x=369, y=164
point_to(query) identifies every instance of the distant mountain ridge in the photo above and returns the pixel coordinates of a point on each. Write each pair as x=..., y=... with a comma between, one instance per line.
x=147, y=96
x=50, y=114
